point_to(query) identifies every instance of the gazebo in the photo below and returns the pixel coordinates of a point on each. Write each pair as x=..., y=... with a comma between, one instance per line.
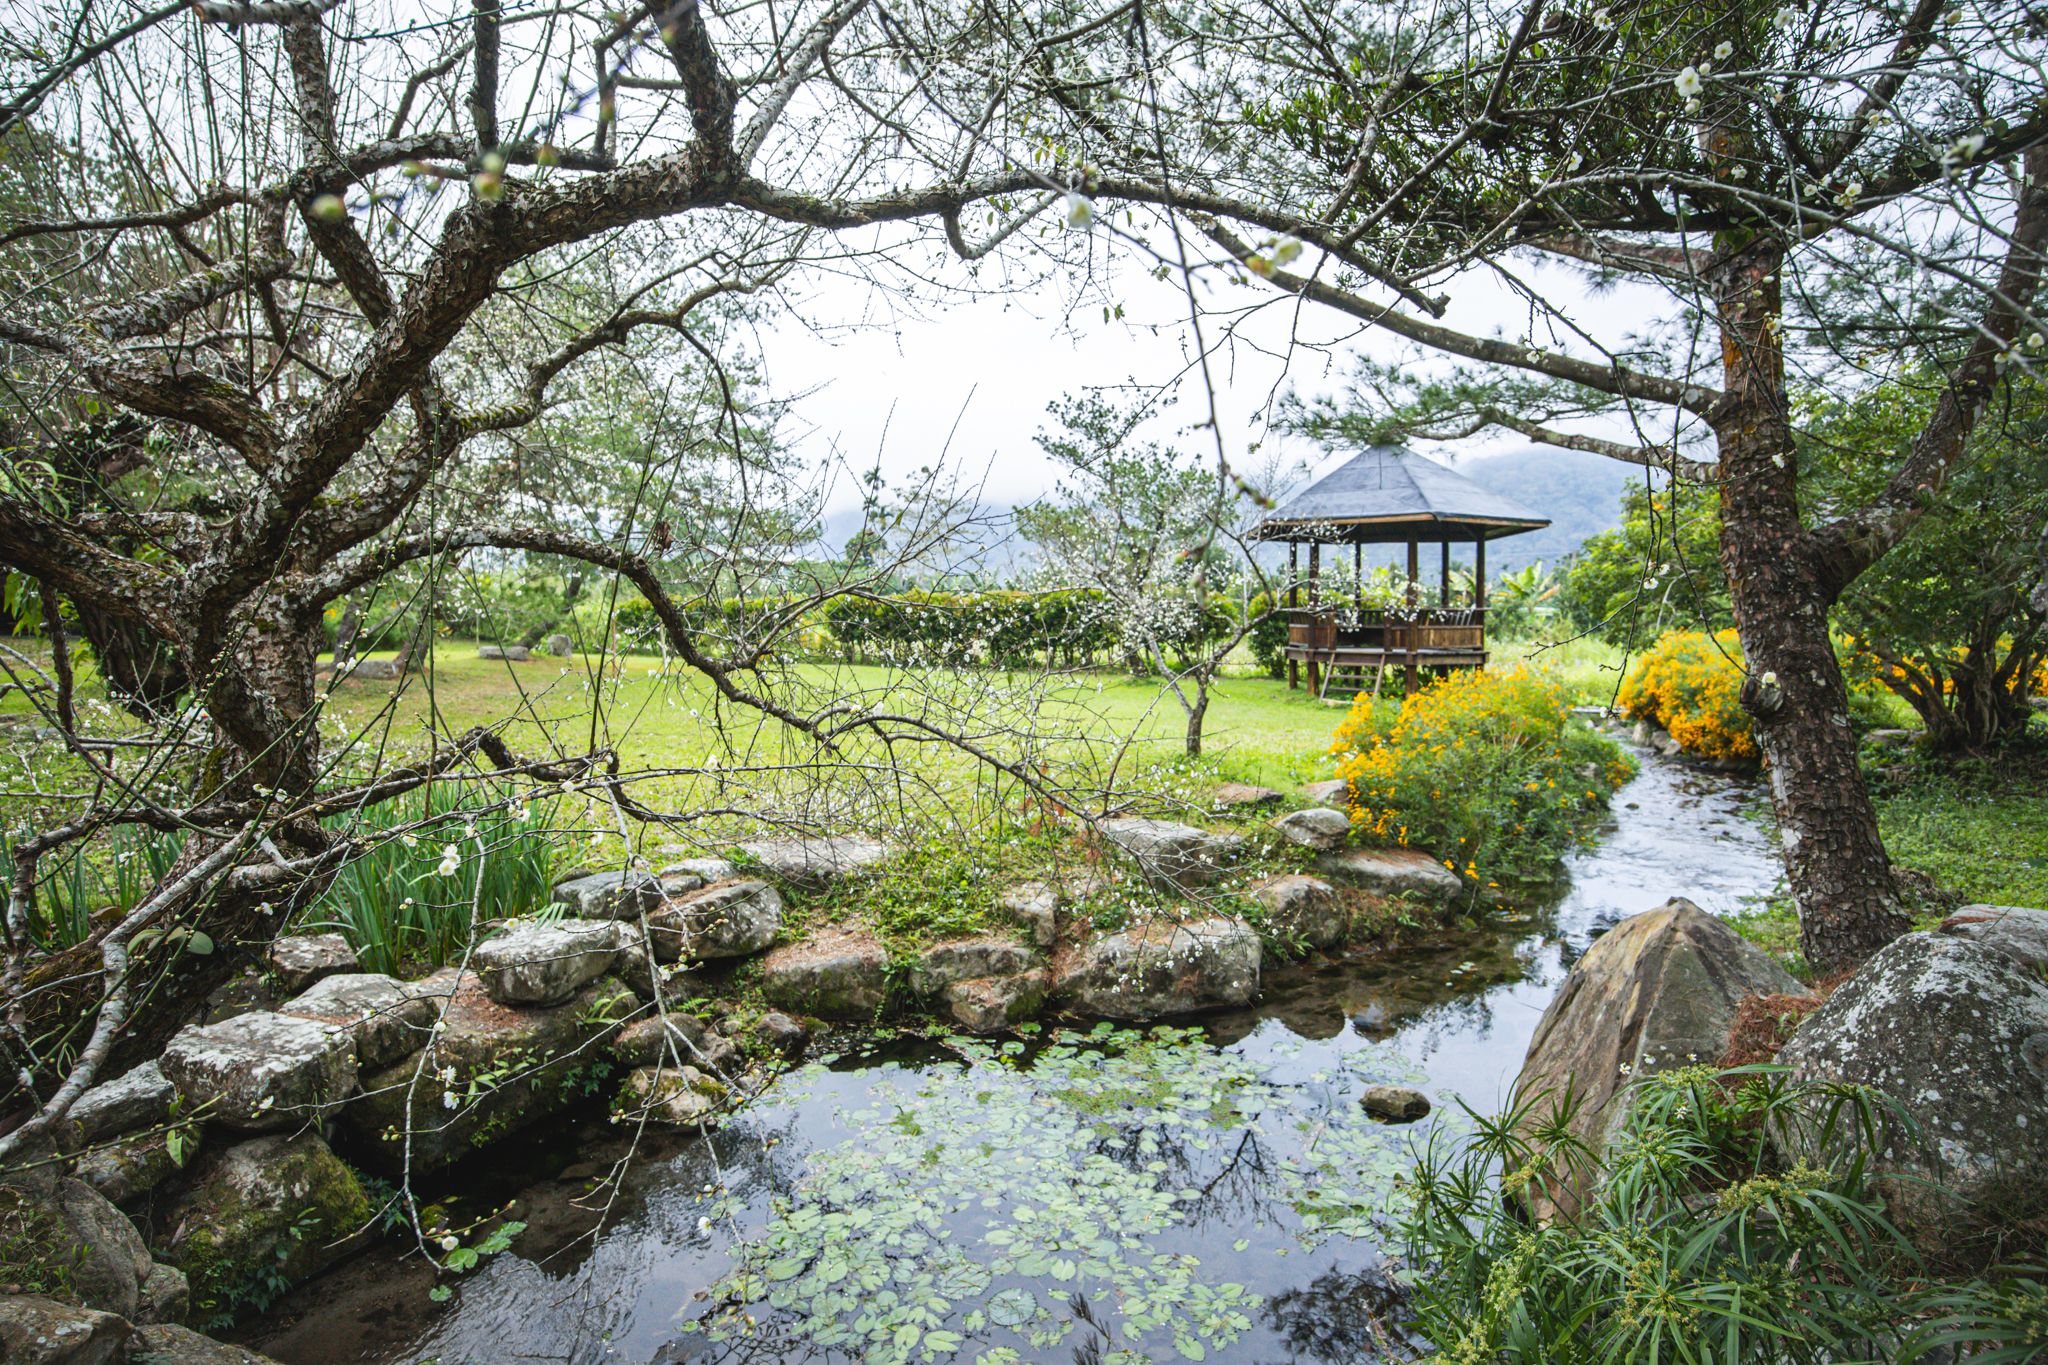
x=1387, y=495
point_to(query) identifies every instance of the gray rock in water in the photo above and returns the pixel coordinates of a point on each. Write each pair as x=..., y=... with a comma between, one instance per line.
x=819, y=862
x=545, y=964
x=35, y=1330
x=275, y=1207
x=676, y=1039
x=835, y=973
x=1392, y=872
x=301, y=959
x=610, y=895
x=168, y=1344
x=963, y=959
x=782, y=1033
x=678, y=1097
x=1229, y=795
x=2018, y=932
x=1395, y=1103
x=1303, y=910
x=139, y=1099
x=1170, y=854
x=1657, y=991
x=732, y=919
x=1034, y=906
x=1163, y=969
x=261, y=1071
x=990, y=1004
x=386, y=1020
x=1335, y=793
x=1318, y=827
x=1956, y=1032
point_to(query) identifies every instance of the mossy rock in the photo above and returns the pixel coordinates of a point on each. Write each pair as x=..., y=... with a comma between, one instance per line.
x=262, y=1216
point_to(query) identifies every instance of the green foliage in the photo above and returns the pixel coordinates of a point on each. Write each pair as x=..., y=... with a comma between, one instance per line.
x=1659, y=570
x=85, y=879
x=1977, y=826
x=1698, y=1243
x=1487, y=770
x=394, y=903
x=987, y=628
x=1268, y=638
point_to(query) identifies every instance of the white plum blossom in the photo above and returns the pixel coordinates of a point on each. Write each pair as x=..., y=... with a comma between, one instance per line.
x=1787, y=17
x=1724, y=51
x=450, y=1242
x=1603, y=19
x=1079, y=212
x=451, y=859
x=1688, y=82
x=1964, y=150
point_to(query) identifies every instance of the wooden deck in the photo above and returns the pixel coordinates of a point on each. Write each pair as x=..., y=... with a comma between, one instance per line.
x=1333, y=641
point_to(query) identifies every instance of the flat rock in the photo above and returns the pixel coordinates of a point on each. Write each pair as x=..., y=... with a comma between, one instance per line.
x=990, y=1004
x=545, y=964
x=1162, y=969
x=385, y=1018
x=1303, y=910
x=610, y=895
x=1170, y=854
x=40, y=1331
x=640, y=969
x=301, y=959
x=677, y=1097
x=676, y=1039
x=731, y=919
x=2017, y=931
x=705, y=870
x=835, y=974
x=1395, y=1103
x=1035, y=907
x=1657, y=991
x=140, y=1098
x=1955, y=1031
x=168, y=1344
x=1230, y=795
x=820, y=861
x=1317, y=827
x=491, y=1070
x=273, y=1208
x=1334, y=793
x=262, y=1070
x=963, y=959
x=1392, y=872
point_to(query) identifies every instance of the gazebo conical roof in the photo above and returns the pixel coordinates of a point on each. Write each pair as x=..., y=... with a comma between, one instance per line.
x=1389, y=494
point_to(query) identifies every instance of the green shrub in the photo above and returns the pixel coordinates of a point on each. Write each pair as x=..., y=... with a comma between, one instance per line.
x=1697, y=1244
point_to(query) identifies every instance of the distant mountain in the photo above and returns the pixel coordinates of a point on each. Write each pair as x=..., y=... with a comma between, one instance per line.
x=1579, y=492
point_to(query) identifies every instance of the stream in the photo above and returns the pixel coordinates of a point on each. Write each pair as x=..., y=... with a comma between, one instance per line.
x=1102, y=1196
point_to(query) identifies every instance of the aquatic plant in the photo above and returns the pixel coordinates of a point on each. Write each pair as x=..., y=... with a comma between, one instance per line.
x=1487, y=770
x=1691, y=684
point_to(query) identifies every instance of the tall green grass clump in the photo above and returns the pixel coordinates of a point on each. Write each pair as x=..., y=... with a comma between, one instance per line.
x=86, y=879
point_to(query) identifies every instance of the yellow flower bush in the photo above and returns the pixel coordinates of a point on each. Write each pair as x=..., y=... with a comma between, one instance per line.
x=1691, y=684
x=1487, y=771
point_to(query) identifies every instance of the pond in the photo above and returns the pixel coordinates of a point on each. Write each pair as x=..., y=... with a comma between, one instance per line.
x=1100, y=1196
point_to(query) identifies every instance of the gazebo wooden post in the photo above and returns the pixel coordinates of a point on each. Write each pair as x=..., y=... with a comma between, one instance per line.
x=1414, y=601
x=1293, y=601
x=1479, y=591
x=1315, y=630
x=1358, y=570
x=1443, y=590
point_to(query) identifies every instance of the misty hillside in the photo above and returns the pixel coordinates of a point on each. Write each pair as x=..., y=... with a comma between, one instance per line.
x=1579, y=492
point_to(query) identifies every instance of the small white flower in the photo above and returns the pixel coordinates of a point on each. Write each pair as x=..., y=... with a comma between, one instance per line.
x=448, y=1100
x=1724, y=51
x=1079, y=212
x=451, y=859
x=703, y=1225
x=1603, y=19
x=450, y=1242
x=1787, y=17
x=1964, y=150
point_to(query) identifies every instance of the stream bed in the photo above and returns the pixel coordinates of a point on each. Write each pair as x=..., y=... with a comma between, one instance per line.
x=1103, y=1196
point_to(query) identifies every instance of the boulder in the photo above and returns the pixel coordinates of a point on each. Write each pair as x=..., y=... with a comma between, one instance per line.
x=2020, y=933
x=271, y=1211
x=1162, y=968
x=1657, y=991
x=518, y=654
x=1335, y=793
x=262, y=1070
x=559, y=645
x=705, y=870
x=1172, y=855
x=129, y=1168
x=40, y=1331
x=166, y=1296
x=1303, y=910
x=140, y=1098
x=990, y=1004
x=1392, y=872
x=781, y=1034
x=678, y=1097
x=62, y=1235
x=821, y=861
x=1317, y=827
x=490, y=1070
x=639, y=969
x=676, y=1038
x=1955, y=1031
x=166, y=1344
x=385, y=1018
x=835, y=974
x=545, y=964
x=1232, y=795
x=1395, y=1103
x=490, y=651
x=963, y=959
x=732, y=919
x=1034, y=906
x=301, y=959
x=610, y=895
